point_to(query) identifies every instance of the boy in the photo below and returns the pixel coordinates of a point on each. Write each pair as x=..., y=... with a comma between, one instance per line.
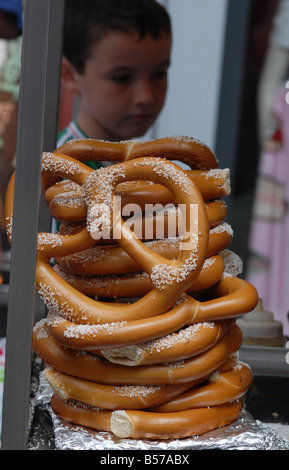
x=116, y=55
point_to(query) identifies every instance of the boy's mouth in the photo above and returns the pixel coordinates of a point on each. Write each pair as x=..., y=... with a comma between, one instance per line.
x=141, y=118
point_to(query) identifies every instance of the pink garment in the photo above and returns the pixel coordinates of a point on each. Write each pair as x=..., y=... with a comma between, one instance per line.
x=268, y=264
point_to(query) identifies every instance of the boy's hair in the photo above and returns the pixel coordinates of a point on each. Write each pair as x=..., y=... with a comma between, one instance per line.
x=87, y=21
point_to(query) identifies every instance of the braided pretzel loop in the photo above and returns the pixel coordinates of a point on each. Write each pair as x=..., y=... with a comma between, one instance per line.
x=159, y=397
x=141, y=424
x=66, y=202
x=235, y=296
x=113, y=259
x=136, y=284
x=98, y=189
x=198, y=365
x=187, y=149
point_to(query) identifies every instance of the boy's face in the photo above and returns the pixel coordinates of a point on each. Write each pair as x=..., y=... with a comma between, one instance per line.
x=123, y=87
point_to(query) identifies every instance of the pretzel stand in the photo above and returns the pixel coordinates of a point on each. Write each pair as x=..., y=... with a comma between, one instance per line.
x=140, y=339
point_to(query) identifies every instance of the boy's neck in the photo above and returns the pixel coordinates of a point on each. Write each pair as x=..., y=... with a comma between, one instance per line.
x=93, y=131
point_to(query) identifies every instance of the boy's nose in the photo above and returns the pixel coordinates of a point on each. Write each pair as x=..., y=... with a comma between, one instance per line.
x=144, y=93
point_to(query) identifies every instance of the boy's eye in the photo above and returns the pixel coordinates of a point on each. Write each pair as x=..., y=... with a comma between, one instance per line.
x=121, y=79
x=159, y=74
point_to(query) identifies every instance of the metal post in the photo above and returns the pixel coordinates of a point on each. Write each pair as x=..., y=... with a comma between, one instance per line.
x=231, y=86
x=53, y=73
x=37, y=17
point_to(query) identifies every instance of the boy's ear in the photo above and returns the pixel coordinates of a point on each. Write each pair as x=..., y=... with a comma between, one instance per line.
x=68, y=77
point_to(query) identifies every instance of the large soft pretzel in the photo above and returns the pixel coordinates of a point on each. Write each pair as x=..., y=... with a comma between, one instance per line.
x=141, y=424
x=186, y=343
x=112, y=397
x=234, y=296
x=136, y=284
x=113, y=259
x=184, y=148
x=66, y=201
x=140, y=338
x=94, y=368
x=220, y=388
x=170, y=277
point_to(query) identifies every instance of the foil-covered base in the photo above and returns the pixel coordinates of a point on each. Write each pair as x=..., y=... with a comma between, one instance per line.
x=50, y=431
x=244, y=434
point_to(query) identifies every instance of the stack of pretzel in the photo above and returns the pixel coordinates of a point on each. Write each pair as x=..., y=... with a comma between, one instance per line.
x=140, y=338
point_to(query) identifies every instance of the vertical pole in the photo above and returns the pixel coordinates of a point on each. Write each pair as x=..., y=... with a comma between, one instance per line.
x=51, y=104
x=54, y=55
x=25, y=224
x=231, y=86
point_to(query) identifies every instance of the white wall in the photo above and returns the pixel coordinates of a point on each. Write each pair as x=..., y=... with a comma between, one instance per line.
x=194, y=79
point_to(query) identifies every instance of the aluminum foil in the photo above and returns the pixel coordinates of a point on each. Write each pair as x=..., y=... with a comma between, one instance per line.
x=51, y=432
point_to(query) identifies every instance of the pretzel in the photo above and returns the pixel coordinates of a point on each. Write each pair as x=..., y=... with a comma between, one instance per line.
x=49, y=245
x=183, y=344
x=184, y=148
x=234, y=297
x=112, y=397
x=135, y=285
x=66, y=201
x=71, y=210
x=192, y=368
x=219, y=388
x=102, y=260
x=92, y=367
x=184, y=269
x=140, y=325
x=140, y=424
x=213, y=184
x=188, y=342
